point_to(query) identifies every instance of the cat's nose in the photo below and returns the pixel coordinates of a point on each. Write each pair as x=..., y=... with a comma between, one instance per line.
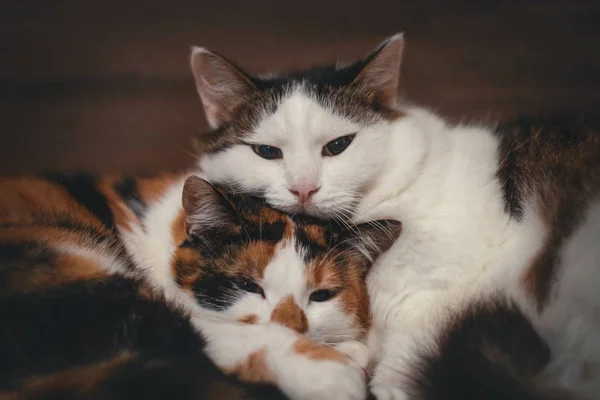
x=304, y=191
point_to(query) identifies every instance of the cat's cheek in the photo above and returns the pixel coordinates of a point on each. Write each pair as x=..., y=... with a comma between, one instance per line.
x=250, y=308
x=328, y=321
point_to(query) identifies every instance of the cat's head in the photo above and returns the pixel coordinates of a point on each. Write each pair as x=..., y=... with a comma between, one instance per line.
x=310, y=142
x=255, y=264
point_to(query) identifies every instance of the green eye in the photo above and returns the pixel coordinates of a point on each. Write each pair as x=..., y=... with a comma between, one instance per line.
x=267, y=152
x=337, y=146
x=322, y=295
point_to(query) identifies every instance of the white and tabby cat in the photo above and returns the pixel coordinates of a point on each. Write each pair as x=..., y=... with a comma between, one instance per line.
x=502, y=212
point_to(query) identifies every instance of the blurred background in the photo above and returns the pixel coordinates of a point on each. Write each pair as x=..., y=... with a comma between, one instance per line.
x=104, y=86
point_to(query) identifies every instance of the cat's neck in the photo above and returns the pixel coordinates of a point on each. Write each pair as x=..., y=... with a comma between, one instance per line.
x=449, y=177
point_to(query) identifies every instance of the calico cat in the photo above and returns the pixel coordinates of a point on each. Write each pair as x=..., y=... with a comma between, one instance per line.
x=120, y=287
x=509, y=211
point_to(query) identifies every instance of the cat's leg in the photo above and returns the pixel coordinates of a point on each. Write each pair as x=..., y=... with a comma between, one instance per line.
x=271, y=353
x=408, y=328
x=393, y=368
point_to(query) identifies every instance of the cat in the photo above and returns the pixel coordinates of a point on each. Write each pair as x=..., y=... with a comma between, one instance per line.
x=508, y=211
x=119, y=287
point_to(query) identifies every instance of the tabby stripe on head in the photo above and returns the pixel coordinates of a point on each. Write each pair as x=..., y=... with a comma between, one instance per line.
x=127, y=188
x=310, y=246
x=83, y=189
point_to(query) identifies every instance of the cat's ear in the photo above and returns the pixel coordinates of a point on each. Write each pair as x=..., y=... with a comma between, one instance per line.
x=222, y=86
x=380, y=77
x=206, y=207
x=370, y=239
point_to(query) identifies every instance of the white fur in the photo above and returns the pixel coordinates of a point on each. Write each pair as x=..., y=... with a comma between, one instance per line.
x=299, y=377
x=457, y=242
x=99, y=254
x=151, y=245
x=572, y=322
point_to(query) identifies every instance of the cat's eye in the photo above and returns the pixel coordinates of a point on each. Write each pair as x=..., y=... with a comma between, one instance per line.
x=267, y=152
x=249, y=286
x=322, y=295
x=337, y=146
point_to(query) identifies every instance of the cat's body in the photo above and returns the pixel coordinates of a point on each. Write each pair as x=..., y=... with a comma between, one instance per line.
x=107, y=338
x=514, y=211
x=153, y=283
x=510, y=210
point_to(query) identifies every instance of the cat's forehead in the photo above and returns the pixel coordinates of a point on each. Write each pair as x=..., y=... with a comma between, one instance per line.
x=301, y=119
x=261, y=222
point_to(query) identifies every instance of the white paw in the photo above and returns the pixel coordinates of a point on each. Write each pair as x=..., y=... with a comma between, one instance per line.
x=357, y=351
x=324, y=380
x=387, y=392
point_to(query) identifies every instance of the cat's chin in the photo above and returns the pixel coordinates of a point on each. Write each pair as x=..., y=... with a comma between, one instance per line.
x=323, y=208
x=311, y=210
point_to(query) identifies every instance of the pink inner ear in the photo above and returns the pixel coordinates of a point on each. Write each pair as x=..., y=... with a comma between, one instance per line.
x=221, y=86
x=381, y=76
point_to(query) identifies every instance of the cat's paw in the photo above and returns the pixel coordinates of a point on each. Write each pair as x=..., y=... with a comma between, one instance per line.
x=322, y=373
x=328, y=380
x=388, y=392
x=357, y=351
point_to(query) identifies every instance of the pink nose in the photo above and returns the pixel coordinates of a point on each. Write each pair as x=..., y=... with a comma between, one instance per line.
x=304, y=192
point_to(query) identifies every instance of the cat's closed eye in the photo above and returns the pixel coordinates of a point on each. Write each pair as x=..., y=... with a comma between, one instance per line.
x=322, y=295
x=267, y=152
x=249, y=286
x=337, y=146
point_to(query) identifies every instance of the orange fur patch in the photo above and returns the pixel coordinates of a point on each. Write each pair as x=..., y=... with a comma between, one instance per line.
x=315, y=351
x=124, y=217
x=178, y=229
x=325, y=273
x=255, y=369
x=315, y=233
x=81, y=379
x=289, y=314
x=153, y=189
x=249, y=319
x=349, y=280
x=25, y=201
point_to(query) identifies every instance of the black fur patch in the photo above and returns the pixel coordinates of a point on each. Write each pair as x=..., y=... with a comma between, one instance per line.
x=216, y=291
x=553, y=162
x=21, y=257
x=77, y=326
x=128, y=191
x=489, y=351
x=310, y=248
x=534, y=149
x=83, y=189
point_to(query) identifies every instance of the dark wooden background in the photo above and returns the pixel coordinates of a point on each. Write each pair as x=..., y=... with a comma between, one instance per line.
x=105, y=86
